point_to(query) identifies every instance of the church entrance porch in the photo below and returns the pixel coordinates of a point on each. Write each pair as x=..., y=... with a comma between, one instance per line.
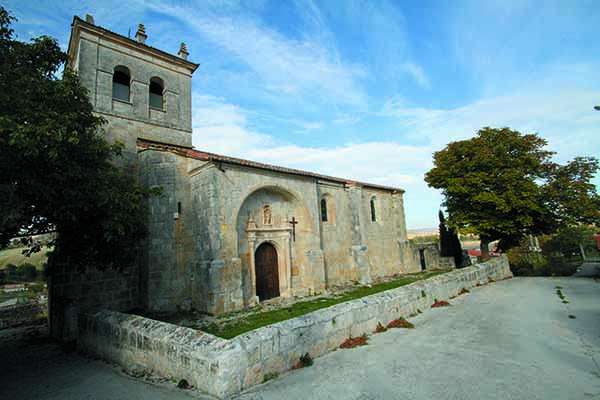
x=267, y=276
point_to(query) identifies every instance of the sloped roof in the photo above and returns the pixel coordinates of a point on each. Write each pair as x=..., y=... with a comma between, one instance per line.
x=190, y=152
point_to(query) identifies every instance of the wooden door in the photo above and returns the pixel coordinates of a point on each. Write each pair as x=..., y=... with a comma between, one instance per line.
x=267, y=275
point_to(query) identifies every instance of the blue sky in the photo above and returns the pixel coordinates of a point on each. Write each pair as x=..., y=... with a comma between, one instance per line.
x=367, y=89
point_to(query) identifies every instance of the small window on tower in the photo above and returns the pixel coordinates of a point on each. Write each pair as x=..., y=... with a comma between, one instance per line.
x=121, y=83
x=156, y=93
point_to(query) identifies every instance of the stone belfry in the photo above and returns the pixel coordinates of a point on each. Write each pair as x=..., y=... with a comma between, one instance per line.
x=142, y=92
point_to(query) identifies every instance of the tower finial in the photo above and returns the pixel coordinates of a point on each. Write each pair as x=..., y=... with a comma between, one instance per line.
x=140, y=35
x=183, y=51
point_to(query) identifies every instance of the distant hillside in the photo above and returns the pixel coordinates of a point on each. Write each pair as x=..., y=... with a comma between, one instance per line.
x=15, y=256
x=413, y=233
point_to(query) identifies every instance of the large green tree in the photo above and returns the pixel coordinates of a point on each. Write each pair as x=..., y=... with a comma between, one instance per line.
x=57, y=172
x=502, y=185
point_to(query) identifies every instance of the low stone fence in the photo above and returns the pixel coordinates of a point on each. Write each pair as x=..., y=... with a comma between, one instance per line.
x=21, y=314
x=224, y=367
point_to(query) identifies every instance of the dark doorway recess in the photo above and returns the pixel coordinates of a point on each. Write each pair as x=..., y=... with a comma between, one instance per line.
x=422, y=259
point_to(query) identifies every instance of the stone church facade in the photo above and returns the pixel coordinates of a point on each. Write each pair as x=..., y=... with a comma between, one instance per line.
x=228, y=233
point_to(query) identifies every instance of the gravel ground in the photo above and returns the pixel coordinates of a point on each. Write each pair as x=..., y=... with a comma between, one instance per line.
x=508, y=340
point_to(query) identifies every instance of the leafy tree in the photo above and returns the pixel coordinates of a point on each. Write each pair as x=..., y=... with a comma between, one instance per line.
x=449, y=243
x=567, y=241
x=502, y=185
x=57, y=171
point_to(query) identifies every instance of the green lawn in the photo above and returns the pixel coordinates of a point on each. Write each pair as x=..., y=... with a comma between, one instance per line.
x=259, y=319
x=15, y=256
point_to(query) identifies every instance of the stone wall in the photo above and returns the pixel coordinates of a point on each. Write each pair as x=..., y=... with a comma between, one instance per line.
x=433, y=258
x=224, y=367
x=169, y=268
x=70, y=291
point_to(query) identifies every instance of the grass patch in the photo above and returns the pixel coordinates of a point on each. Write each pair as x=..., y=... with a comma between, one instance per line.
x=15, y=256
x=231, y=329
x=355, y=342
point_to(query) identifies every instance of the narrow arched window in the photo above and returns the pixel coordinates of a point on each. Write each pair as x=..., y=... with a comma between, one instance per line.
x=373, y=210
x=324, y=209
x=121, y=83
x=157, y=89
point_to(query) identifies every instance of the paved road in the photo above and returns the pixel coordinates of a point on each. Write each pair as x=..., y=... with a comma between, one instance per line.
x=509, y=340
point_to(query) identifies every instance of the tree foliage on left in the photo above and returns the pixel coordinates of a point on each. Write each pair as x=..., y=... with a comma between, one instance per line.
x=57, y=172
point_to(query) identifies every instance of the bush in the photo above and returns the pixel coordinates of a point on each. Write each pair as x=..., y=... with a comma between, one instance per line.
x=27, y=272
x=535, y=264
x=11, y=273
x=559, y=266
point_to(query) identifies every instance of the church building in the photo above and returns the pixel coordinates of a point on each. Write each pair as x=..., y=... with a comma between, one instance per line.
x=228, y=233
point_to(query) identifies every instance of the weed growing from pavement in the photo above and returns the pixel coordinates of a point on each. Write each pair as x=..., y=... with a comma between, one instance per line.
x=440, y=303
x=380, y=328
x=183, y=384
x=355, y=342
x=400, y=323
x=305, y=361
x=270, y=375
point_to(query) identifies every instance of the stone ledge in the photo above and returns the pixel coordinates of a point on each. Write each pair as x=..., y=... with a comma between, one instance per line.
x=224, y=367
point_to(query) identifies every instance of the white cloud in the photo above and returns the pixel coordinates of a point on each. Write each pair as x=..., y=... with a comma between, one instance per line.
x=563, y=116
x=417, y=73
x=285, y=65
x=346, y=119
x=220, y=127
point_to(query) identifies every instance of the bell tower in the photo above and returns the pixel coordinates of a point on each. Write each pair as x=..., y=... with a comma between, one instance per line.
x=142, y=92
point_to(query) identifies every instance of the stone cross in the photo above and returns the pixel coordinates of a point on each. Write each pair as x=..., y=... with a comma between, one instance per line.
x=293, y=222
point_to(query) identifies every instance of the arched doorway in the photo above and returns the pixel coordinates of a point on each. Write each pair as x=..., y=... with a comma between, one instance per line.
x=267, y=275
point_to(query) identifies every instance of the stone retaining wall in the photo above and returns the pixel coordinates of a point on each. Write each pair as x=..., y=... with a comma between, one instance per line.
x=224, y=367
